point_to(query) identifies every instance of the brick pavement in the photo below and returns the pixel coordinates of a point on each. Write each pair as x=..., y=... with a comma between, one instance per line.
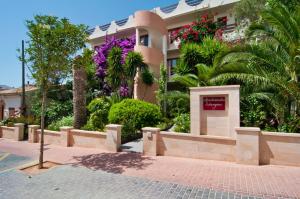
x=267, y=181
x=70, y=182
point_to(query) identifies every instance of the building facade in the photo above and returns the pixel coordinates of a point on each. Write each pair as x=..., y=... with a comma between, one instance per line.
x=10, y=101
x=153, y=33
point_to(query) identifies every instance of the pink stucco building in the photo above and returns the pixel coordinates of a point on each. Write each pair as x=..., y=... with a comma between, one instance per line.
x=153, y=29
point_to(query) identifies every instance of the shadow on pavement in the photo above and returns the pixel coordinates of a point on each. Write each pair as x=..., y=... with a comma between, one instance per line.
x=113, y=162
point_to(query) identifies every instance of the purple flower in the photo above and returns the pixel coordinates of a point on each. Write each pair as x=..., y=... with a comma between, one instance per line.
x=102, y=52
x=124, y=90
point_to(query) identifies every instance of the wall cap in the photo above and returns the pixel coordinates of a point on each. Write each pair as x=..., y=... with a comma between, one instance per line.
x=150, y=129
x=192, y=136
x=19, y=124
x=110, y=126
x=214, y=87
x=65, y=128
x=33, y=126
x=86, y=133
x=7, y=127
x=281, y=134
x=247, y=130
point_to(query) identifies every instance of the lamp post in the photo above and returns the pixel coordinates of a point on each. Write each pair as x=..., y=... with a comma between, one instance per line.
x=23, y=103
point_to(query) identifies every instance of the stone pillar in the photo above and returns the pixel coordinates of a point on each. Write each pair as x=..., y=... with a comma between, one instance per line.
x=32, y=133
x=19, y=131
x=247, y=148
x=137, y=37
x=65, y=135
x=113, y=137
x=150, y=136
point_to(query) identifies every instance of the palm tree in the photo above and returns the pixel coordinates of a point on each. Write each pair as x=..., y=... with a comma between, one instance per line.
x=269, y=61
x=196, y=60
x=202, y=78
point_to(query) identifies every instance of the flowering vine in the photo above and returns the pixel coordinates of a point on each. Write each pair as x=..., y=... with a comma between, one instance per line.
x=196, y=31
x=101, y=56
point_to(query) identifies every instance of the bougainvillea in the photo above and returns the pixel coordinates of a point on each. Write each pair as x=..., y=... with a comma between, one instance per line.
x=102, y=51
x=196, y=31
x=101, y=56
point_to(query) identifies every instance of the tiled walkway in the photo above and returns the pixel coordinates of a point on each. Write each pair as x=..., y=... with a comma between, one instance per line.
x=70, y=182
x=268, y=181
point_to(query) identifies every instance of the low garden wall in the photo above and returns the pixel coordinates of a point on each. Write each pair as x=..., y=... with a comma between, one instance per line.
x=191, y=146
x=280, y=148
x=15, y=133
x=50, y=137
x=67, y=136
x=90, y=139
x=251, y=146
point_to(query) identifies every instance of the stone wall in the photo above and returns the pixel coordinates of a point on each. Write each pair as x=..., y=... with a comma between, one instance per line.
x=251, y=146
x=15, y=133
x=67, y=136
x=280, y=148
x=191, y=146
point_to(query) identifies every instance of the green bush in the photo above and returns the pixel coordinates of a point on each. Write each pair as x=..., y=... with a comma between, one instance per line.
x=65, y=121
x=177, y=103
x=182, y=123
x=98, y=109
x=134, y=115
x=165, y=124
x=253, y=112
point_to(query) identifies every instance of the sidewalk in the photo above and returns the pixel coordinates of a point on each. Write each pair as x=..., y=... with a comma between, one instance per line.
x=268, y=181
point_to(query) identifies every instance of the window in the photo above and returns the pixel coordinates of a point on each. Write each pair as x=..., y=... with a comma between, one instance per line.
x=171, y=65
x=11, y=112
x=144, y=40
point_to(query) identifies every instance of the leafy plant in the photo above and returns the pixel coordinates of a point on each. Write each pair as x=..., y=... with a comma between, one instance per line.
x=182, y=123
x=177, y=103
x=99, y=109
x=195, y=68
x=133, y=115
x=253, y=112
x=165, y=124
x=270, y=64
x=65, y=121
x=162, y=89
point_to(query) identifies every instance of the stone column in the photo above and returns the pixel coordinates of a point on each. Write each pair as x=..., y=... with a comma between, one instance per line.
x=113, y=137
x=19, y=131
x=247, y=148
x=32, y=133
x=137, y=37
x=150, y=145
x=65, y=135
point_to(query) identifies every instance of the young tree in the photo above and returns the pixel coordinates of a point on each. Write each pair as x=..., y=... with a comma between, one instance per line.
x=52, y=45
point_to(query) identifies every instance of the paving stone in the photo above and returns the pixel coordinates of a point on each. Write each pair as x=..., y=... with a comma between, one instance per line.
x=80, y=182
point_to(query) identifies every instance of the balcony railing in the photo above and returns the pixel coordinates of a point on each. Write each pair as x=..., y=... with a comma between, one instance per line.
x=169, y=9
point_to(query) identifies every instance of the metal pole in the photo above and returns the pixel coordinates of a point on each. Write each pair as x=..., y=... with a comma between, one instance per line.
x=23, y=103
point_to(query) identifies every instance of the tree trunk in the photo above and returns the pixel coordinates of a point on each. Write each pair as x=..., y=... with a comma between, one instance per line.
x=79, y=96
x=41, y=159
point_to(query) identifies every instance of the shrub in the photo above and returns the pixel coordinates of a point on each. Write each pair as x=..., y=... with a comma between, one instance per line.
x=99, y=109
x=65, y=121
x=177, y=103
x=55, y=110
x=253, y=112
x=133, y=115
x=165, y=124
x=182, y=123
x=89, y=126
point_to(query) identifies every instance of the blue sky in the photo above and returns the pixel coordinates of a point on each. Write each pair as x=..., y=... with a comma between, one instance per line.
x=14, y=13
